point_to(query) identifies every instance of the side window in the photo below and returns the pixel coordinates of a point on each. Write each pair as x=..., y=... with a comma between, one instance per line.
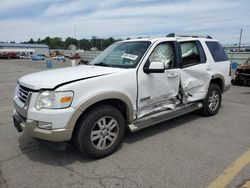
x=163, y=52
x=190, y=53
x=217, y=51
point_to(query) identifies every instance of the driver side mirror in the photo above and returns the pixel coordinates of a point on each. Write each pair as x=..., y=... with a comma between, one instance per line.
x=155, y=67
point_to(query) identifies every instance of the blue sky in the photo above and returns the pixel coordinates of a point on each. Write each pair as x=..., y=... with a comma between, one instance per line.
x=21, y=20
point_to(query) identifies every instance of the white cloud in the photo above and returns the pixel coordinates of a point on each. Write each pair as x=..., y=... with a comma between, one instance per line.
x=64, y=8
x=76, y=6
x=169, y=9
x=7, y=5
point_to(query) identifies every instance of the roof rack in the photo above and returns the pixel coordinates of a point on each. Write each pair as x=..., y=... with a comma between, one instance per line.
x=193, y=36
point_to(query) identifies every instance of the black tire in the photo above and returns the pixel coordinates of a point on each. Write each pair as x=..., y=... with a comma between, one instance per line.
x=209, y=107
x=90, y=123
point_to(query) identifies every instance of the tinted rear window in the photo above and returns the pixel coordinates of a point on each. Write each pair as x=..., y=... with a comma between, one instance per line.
x=217, y=51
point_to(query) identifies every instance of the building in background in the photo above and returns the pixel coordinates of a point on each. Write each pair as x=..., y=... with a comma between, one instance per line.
x=38, y=48
x=72, y=47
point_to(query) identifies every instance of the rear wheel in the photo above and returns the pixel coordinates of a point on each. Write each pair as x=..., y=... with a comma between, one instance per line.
x=100, y=131
x=212, y=102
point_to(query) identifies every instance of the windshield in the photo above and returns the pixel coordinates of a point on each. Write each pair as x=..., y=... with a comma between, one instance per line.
x=123, y=55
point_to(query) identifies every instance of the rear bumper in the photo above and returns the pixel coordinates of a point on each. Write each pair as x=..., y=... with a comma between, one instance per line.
x=30, y=126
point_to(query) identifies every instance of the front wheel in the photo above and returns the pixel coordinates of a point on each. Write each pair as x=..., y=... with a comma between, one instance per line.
x=100, y=131
x=212, y=102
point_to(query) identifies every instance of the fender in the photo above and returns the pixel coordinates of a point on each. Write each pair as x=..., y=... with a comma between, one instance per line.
x=220, y=76
x=84, y=105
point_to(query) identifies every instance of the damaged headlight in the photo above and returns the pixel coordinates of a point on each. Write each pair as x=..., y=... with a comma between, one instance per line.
x=54, y=100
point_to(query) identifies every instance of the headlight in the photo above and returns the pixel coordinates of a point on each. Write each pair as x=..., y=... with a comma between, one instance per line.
x=54, y=99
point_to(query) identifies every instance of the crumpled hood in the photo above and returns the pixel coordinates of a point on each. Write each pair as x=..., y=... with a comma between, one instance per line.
x=54, y=78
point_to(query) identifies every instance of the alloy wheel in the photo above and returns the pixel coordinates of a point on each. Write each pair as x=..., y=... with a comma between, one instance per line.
x=104, y=133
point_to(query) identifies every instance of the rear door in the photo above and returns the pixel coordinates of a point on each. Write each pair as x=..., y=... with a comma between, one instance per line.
x=195, y=74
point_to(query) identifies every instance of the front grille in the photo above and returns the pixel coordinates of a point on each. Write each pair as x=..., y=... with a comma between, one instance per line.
x=23, y=93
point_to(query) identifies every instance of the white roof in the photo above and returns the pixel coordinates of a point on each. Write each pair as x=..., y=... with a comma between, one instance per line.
x=151, y=39
x=154, y=39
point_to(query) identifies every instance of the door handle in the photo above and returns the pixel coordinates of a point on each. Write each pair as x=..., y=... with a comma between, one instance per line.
x=172, y=75
x=145, y=98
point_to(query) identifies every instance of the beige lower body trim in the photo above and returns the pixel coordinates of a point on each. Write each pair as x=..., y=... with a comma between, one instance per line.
x=56, y=135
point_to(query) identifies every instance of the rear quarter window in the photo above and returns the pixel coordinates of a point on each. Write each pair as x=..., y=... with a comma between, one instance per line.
x=217, y=51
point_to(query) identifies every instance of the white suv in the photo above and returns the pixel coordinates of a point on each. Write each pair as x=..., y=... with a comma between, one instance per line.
x=132, y=84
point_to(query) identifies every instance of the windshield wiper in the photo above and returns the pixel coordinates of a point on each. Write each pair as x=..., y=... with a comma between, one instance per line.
x=102, y=64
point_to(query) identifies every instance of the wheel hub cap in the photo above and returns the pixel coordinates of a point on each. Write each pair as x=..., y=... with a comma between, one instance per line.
x=104, y=133
x=213, y=100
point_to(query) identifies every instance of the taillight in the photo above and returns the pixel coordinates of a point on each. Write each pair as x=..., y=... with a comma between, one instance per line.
x=230, y=70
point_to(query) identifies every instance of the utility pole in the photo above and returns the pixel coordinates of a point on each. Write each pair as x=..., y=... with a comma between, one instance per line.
x=240, y=38
x=78, y=41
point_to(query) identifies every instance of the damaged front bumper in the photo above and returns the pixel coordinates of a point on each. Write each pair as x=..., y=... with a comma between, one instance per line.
x=31, y=126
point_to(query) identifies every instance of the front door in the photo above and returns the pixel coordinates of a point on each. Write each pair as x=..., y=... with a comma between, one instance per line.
x=158, y=91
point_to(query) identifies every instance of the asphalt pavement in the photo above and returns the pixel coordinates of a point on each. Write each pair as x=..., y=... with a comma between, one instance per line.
x=189, y=151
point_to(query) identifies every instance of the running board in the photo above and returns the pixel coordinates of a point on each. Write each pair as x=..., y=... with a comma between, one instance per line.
x=163, y=116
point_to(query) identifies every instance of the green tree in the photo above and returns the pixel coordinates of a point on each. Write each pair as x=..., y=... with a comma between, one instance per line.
x=69, y=41
x=108, y=42
x=31, y=41
x=85, y=44
x=93, y=41
x=56, y=43
x=46, y=41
